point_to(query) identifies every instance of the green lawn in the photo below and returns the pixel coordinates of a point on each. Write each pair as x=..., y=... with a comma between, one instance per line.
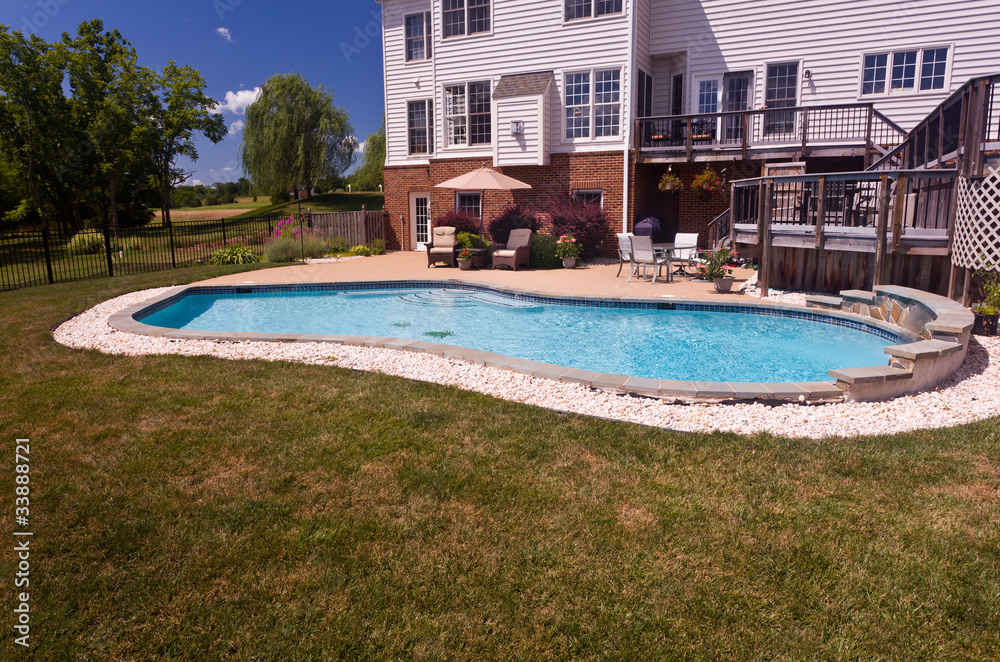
x=327, y=202
x=205, y=509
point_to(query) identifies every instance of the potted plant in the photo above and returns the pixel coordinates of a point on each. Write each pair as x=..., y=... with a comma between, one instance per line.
x=670, y=182
x=465, y=259
x=717, y=266
x=707, y=181
x=568, y=249
x=988, y=311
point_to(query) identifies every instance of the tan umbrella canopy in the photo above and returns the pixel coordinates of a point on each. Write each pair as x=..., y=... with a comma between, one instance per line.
x=482, y=179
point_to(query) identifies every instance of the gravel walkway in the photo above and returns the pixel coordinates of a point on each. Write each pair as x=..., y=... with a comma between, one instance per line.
x=973, y=393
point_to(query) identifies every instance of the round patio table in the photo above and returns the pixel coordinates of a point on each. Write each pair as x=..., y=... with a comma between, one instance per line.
x=670, y=249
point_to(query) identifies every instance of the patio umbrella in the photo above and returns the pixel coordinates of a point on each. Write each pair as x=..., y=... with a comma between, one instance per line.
x=481, y=179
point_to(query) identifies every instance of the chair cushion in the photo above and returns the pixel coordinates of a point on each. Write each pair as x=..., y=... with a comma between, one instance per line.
x=504, y=252
x=437, y=250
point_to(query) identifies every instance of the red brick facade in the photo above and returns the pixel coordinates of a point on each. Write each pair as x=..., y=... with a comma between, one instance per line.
x=601, y=170
x=687, y=210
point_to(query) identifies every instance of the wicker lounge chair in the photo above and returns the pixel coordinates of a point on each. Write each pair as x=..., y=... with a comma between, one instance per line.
x=517, y=251
x=443, y=246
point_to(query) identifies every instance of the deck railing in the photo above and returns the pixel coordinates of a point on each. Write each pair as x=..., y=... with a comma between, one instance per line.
x=800, y=128
x=960, y=132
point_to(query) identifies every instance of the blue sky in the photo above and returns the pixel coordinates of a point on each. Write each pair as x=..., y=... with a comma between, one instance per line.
x=236, y=45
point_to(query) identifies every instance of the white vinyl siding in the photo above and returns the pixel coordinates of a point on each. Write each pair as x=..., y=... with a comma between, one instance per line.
x=829, y=38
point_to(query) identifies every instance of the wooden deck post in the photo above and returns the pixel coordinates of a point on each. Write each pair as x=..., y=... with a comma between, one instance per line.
x=868, y=135
x=881, y=225
x=898, y=212
x=764, y=238
x=690, y=144
x=820, y=212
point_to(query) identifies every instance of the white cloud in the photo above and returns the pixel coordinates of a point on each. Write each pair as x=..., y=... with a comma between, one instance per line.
x=225, y=34
x=196, y=182
x=361, y=147
x=237, y=102
x=235, y=127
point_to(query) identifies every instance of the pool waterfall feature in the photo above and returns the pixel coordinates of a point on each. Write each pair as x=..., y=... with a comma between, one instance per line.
x=933, y=337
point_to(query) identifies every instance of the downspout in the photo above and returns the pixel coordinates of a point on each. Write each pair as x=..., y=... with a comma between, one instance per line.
x=630, y=74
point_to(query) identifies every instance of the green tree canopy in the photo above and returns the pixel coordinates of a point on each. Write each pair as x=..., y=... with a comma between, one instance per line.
x=294, y=136
x=369, y=175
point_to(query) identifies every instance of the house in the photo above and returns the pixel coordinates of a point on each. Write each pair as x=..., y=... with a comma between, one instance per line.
x=600, y=97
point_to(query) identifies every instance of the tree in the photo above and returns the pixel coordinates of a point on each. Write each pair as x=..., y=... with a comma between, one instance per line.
x=34, y=127
x=294, y=135
x=180, y=110
x=369, y=174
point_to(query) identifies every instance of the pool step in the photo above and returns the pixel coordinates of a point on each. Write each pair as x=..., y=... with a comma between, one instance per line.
x=463, y=299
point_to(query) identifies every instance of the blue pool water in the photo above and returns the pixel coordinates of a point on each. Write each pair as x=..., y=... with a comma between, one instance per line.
x=691, y=345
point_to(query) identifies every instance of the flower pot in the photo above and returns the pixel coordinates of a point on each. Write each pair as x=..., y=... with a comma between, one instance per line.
x=569, y=262
x=724, y=284
x=465, y=265
x=985, y=325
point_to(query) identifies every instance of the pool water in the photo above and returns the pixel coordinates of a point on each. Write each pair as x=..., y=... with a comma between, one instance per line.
x=692, y=345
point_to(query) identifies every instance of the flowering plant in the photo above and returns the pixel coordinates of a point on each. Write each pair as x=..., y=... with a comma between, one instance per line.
x=670, y=181
x=717, y=264
x=466, y=254
x=285, y=228
x=568, y=247
x=707, y=181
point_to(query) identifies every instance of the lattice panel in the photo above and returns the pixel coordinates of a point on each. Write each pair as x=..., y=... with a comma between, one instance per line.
x=977, y=222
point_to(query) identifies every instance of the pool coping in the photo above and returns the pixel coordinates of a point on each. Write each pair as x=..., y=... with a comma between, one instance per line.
x=839, y=389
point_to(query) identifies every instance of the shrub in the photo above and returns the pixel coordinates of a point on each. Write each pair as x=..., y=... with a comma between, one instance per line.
x=460, y=220
x=584, y=220
x=86, y=243
x=361, y=250
x=543, y=252
x=313, y=246
x=512, y=217
x=234, y=254
x=470, y=240
x=283, y=249
x=377, y=246
x=280, y=196
x=337, y=245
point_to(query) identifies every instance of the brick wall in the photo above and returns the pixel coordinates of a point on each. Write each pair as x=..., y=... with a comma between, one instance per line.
x=601, y=170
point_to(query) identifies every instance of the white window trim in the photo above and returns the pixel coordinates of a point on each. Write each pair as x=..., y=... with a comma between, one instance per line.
x=468, y=146
x=487, y=33
x=917, y=92
x=593, y=105
x=603, y=17
x=431, y=146
x=428, y=41
x=589, y=191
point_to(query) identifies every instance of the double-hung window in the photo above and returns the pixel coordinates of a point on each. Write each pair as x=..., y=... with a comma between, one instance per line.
x=591, y=8
x=468, y=113
x=420, y=126
x=418, y=36
x=593, y=104
x=904, y=71
x=471, y=202
x=465, y=17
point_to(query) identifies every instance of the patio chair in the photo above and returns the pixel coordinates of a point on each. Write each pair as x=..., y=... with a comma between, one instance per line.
x=443, y=246
x=516, y=253
x=643, y=256
x=686, y=257
x=624, y=251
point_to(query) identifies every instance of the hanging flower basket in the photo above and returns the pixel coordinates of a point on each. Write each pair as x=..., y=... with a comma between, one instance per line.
x=707, y=182
x=670, y=182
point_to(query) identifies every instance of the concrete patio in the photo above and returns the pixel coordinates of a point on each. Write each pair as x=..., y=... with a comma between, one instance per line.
x=586, y=280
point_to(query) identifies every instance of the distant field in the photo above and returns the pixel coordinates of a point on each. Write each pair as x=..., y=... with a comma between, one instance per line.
x=325, y=203
x=215, y=212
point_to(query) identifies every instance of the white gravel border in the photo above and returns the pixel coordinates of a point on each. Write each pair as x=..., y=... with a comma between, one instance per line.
x=971, y=394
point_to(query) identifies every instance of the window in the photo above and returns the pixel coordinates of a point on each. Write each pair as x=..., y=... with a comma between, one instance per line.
x=644, y=94
x=589, y=196
x=470, y=203
x=418, y=36
x=419, y=122
x=465, y=17
x=781, y=91
x=677, y=95
x=467, y=108
x=602, y=110
x=591, y=8
x=904, y=72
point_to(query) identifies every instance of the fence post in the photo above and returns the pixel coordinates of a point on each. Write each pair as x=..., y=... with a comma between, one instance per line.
x=107, y=251
x=170, y=234
x=302, y=240
x=46, y=238
x=223, y=231
x=881, y=226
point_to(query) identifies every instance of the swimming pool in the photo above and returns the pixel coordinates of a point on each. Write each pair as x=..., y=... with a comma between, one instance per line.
x=656, y=339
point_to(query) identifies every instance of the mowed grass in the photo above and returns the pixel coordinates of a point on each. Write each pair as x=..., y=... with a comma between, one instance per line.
x=324, y=203
x=206, y=509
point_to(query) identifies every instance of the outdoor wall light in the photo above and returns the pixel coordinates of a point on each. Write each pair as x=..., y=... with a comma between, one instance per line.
x=807, y=74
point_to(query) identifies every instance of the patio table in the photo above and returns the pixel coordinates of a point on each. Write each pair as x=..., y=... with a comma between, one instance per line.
x=669, y=248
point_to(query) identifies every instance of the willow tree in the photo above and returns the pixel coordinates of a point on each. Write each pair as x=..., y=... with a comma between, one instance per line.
x=294, y=136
